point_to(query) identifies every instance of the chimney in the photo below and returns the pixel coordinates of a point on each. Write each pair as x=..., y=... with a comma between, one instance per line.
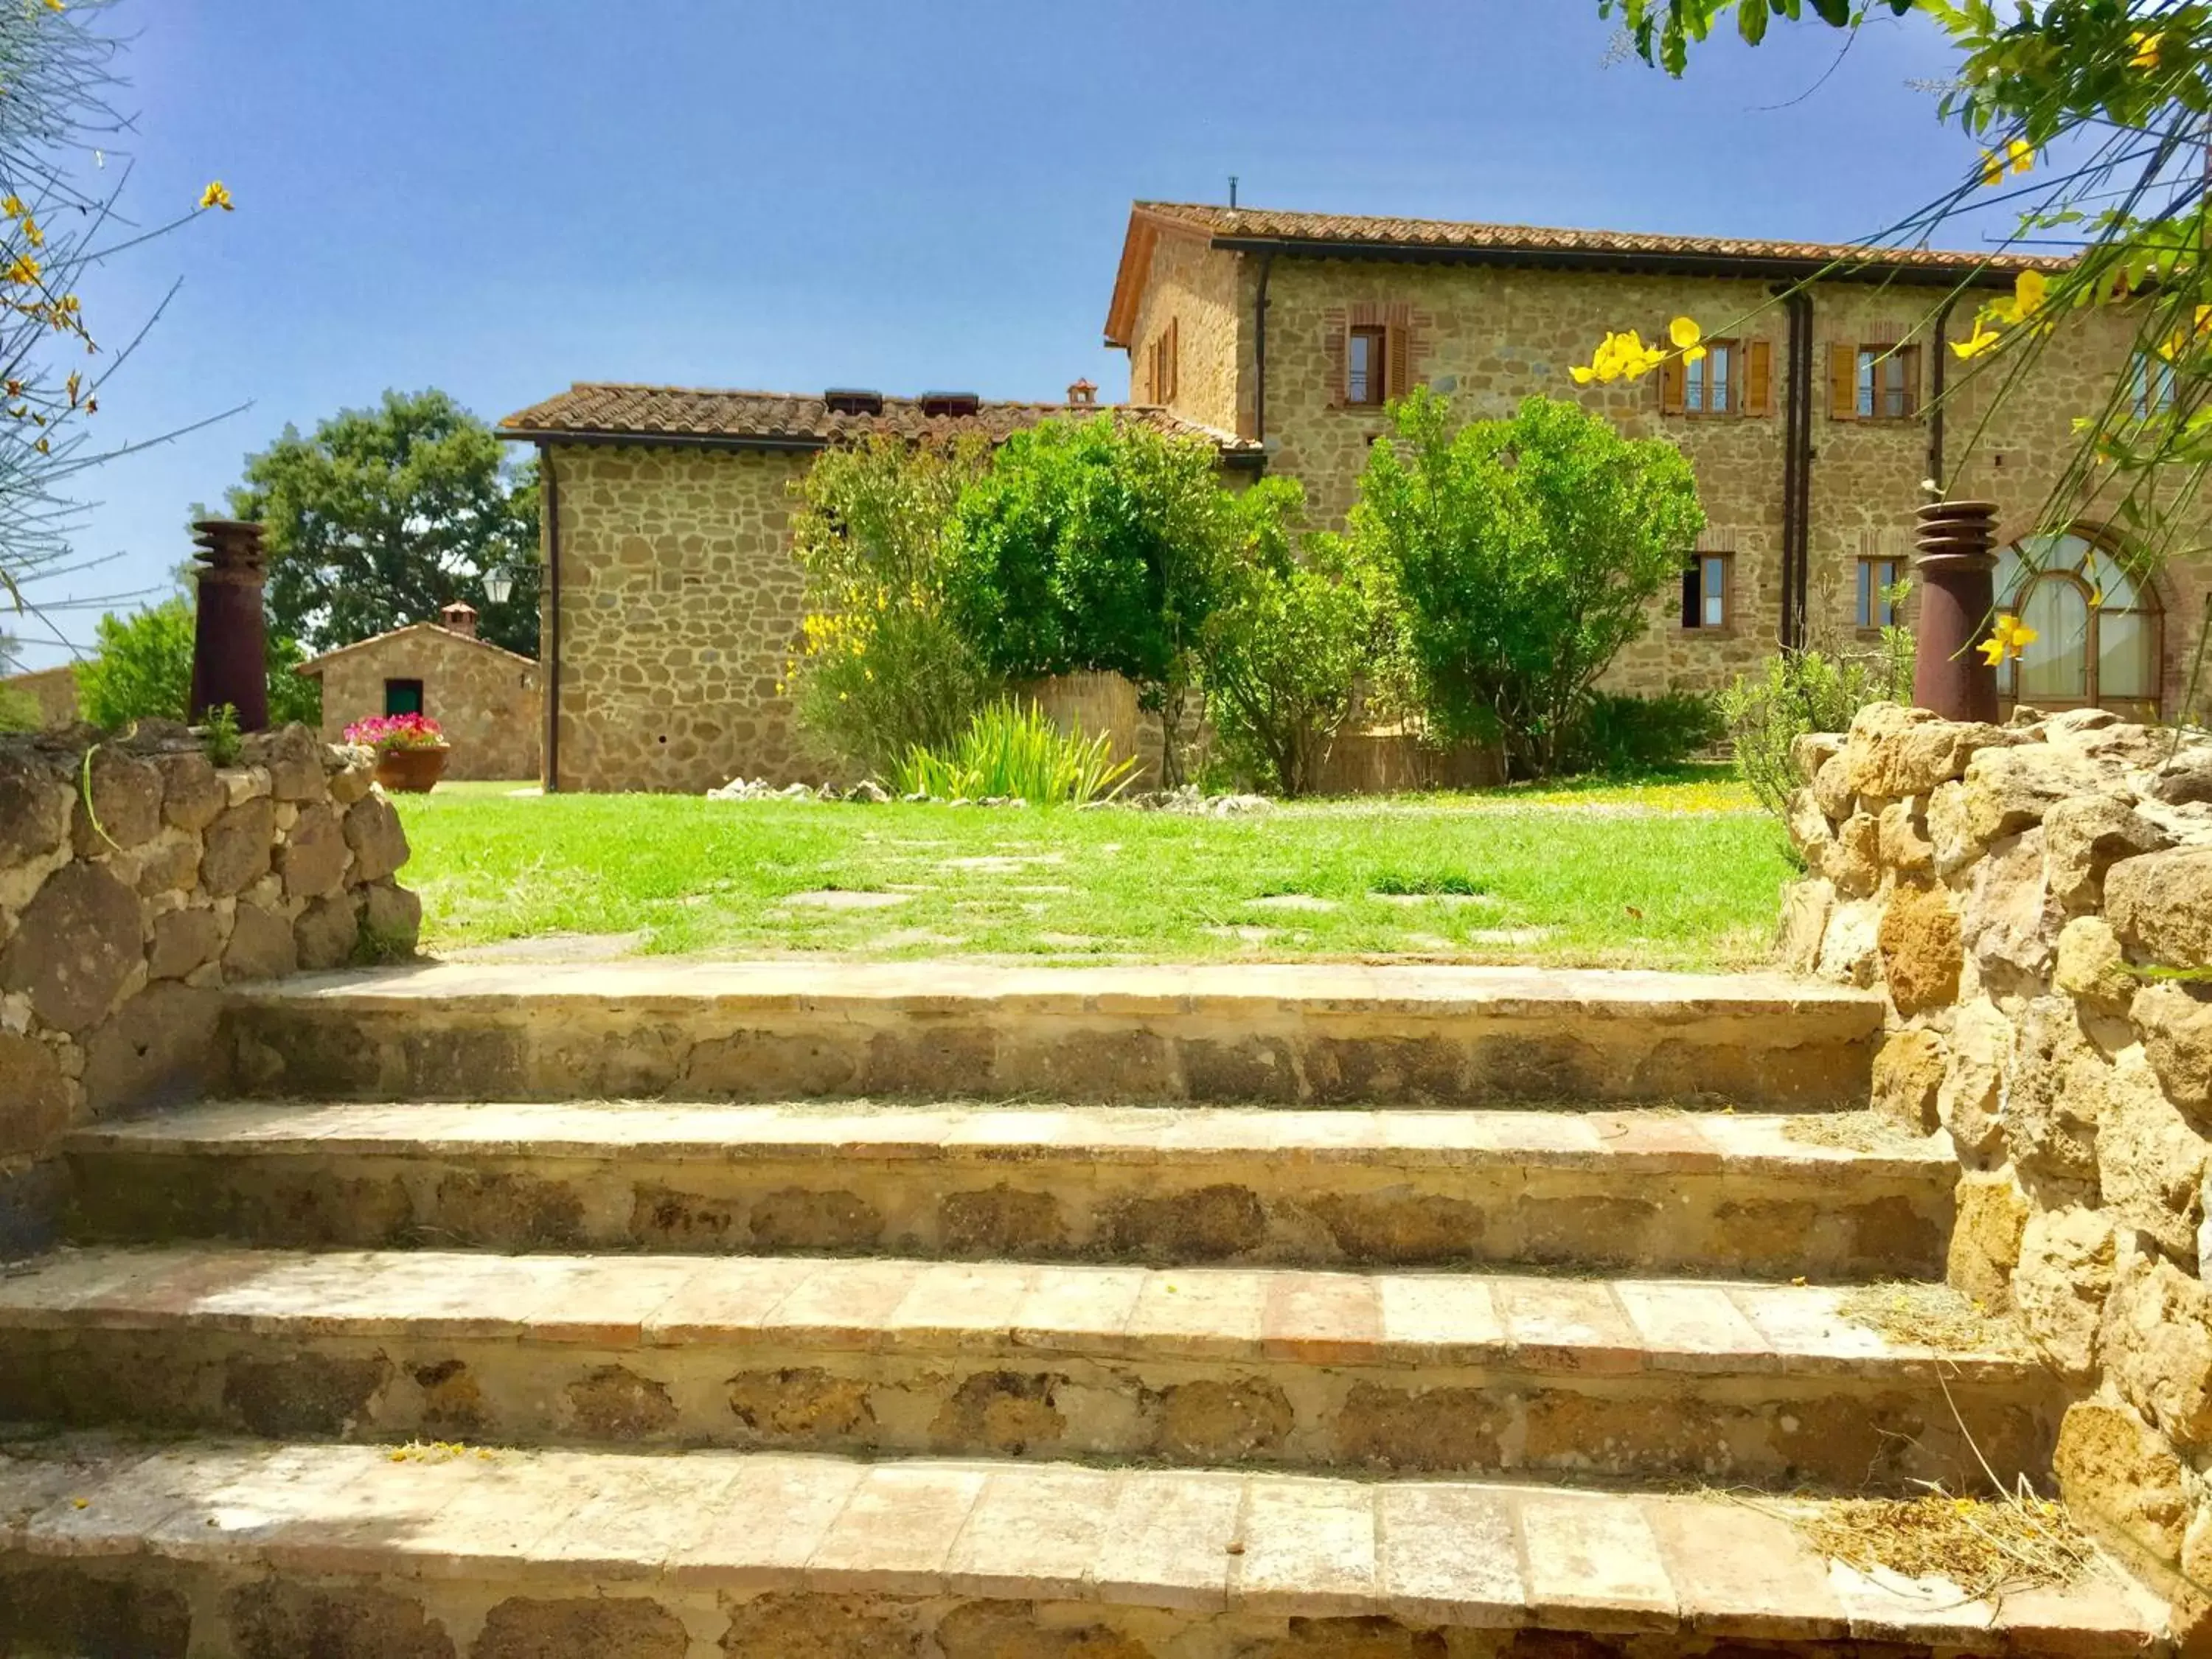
x=1083, y=393
x=459, y=617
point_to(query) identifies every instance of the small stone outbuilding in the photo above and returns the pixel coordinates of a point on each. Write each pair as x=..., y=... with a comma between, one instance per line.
x=54, y=691
x=485, y=696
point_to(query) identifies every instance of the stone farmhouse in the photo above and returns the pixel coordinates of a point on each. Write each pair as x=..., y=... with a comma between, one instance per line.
x=484, y=696
x=672, y=602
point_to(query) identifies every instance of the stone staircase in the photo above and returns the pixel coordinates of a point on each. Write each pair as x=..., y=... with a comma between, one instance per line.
x=1259, y=1313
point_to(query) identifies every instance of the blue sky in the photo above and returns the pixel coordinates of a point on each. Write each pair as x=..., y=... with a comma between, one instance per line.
x=500, y=197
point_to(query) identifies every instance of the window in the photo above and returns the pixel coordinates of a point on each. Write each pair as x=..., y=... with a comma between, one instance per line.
x=2152, y=379
x=1364, y=375
x=1705, y=591
x=1711, y=385
x=403, y=697
x=1873, y=382
x=1877, y=577
x=2099, y=626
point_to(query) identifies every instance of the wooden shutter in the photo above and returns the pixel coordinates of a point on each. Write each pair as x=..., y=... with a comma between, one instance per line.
x=1398, y=351
x=1843, y=382
x=1174, y=356
x=1758, y=377
x=1909, y=356
x=1673, y=383
x=1693, y=611
x=1336, y=347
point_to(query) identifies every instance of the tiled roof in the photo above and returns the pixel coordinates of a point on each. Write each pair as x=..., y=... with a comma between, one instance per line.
x=781, y=419
x=313, y=666
x=1266, y=224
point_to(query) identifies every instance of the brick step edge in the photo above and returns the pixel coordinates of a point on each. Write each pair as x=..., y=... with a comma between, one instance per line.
x=546, y=1552
x=1584, y=1327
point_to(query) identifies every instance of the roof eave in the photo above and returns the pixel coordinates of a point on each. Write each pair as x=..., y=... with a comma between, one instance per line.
x=1768, y=267
x=600, y=438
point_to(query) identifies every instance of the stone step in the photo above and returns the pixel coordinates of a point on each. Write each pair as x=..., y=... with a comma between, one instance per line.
x=1281, y=1034
x=1629, y=1380
x=1655, y=1191
x=223, y=1550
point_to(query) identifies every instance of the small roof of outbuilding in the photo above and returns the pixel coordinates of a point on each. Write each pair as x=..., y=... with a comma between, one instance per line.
x=313, y=666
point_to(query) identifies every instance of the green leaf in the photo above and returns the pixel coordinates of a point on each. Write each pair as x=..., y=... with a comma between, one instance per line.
x=1751, y=19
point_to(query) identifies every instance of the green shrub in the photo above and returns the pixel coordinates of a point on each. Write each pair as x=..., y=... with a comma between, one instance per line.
x=19, y=711
x=881, y=667
x=1803, y=691
x=1285, y=650
x=1625, y=735
x=1009, y=751
x=1100, y=546
x=1527, y=551
x=141, y=669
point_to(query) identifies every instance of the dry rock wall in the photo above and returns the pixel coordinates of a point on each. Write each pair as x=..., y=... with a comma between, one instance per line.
x=136, y=879
x=2035, y=900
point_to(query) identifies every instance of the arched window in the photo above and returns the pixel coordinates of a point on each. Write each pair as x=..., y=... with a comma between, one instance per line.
x=2098, y=626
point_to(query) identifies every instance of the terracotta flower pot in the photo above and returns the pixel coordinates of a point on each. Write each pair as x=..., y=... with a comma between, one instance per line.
x=415, y=771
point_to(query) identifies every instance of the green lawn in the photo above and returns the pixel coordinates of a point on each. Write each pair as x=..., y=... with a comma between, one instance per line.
x=1672, y=874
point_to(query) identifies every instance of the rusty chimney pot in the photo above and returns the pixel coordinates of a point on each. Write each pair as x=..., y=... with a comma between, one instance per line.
x=1957, y=564
x=230, y=651
x=459, y=617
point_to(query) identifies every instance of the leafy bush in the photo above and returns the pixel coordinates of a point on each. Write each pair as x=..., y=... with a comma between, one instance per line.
x=881, y=668
x=1632, y=734
x=1803, y=691
x=1099, y=545
x=1286, y=649
x=1527, y=551
x=141, y=669
x=1009, y=749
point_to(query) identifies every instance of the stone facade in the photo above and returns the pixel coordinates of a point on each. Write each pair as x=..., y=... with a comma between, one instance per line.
x=484, y=696
x=1489, y=335
x=679, y=606
x=133, y=889
x=2036, y=901
x=54, y=691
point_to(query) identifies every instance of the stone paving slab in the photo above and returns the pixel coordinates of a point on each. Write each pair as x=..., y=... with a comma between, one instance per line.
x=1281, y=1034
x=1525, y=1322
x=1628, y=1143
x=1634, y=1191
x=1220, y=1555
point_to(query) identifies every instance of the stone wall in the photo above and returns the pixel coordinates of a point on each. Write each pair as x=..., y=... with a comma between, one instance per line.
x=680, y=606
x=485, y=698
x=2036, y=901
x=133, y=889
x=54, y=689
x=1200, y=293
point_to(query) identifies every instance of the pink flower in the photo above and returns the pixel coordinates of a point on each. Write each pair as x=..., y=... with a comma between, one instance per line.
x=382, y=732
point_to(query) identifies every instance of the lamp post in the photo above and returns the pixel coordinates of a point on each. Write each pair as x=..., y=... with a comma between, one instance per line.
x=229, y=644
x=1957, y=565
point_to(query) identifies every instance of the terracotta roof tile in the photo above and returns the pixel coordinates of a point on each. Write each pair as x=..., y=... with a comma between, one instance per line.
x=313, y=666
x=780, y=418
x=1269, y=224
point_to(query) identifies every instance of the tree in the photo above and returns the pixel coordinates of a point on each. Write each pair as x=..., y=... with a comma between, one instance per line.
x=141, y=669
x=1288, y=644
x=1095, y=545
x=1527, y=551
x=385, y=514
x=881, y=666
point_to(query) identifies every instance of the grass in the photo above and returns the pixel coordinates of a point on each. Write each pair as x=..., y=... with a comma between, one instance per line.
x=1668, y=873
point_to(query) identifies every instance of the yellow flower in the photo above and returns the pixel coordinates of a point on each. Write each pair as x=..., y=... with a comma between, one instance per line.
x=1980, y=341
x=2029, y=290
x=32, y=234
x=12, y=205
x=215, y=196
x=2146, y=43
x=57, y=5
x=2021, y=155
x=2008, y=637
x=1992, y=168
x=25, y=270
